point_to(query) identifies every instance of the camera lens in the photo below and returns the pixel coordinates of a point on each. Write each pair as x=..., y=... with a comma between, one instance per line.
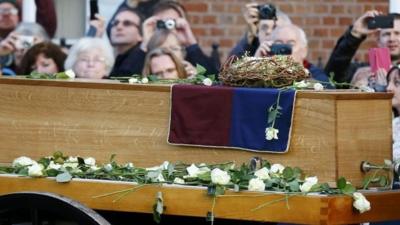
x=267, y=12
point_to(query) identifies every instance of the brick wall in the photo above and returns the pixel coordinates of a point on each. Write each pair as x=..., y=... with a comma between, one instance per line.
x=221, y=21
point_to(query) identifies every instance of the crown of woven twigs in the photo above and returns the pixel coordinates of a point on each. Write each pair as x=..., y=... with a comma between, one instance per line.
x=275, y=71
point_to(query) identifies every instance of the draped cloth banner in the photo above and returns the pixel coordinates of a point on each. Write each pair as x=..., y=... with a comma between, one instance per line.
x=228, y=117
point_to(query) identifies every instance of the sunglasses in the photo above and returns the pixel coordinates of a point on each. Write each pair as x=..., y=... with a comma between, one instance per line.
x=125, y=23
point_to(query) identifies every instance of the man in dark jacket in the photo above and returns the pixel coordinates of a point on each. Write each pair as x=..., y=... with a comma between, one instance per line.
x=339, y=62
x=125, y=37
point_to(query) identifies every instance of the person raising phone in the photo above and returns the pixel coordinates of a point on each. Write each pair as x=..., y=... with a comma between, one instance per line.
x=339, y=61
x=291, y=40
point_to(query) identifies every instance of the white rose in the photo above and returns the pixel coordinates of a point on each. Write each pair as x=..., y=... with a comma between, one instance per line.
x=133, y=80
x=129, y=165
x=54, y=166
x=301, y=84
x=72, y=165
x=23, y=161
x=72, y=159
x=365, y=88
x=276, y=168
x=94, y=168
x=90, y=161
x=262, y=173
x=360, y=202
x=219, y=176
x=318, y=87
x=165, y=165
x=160, y=178
x=207, y=82
x=308, y=184
x=271, y=133
x=178, y=180
x=203, y=169
x=256, y=184
x=35, y=170
x=145, y=80
x=193, y=170
x=70, y=74
x=108, y=167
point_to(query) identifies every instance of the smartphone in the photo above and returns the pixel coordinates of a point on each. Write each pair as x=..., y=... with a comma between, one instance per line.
x=94, y=9
x=280, y=49
x=380, y=22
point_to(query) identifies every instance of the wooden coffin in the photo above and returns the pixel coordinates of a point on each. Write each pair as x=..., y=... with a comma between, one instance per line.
x=333, y=132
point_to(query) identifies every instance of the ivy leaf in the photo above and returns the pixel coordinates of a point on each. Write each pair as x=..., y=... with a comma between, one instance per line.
x=348, y=189
x=341, y=183
x=294, y=186
x=158, y=208
x=205, y=177
x=219, y=190
x=153, y=78
x=200, y=70
x=64, y=177
x=61, y=75
x=383, y=181
x=171, y=168
x=288, y=173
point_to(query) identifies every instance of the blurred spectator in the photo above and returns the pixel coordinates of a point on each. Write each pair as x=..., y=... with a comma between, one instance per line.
x=144, y=7
x=393, y=79
x=90, y=58
x=164, y=64
x=10, y=16
x=364, y=77
x=170, y=15
x=167, y=39
x=13, y=48
x=295, y=37
x=339, y=62
x=125, y=38
x=261, y=20
x=44, y=57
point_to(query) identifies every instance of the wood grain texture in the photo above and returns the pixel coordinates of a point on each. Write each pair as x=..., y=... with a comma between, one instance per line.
x=192, y=201
x=332, y=131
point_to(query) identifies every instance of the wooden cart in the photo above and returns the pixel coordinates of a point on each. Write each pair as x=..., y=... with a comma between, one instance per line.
x=333, y=132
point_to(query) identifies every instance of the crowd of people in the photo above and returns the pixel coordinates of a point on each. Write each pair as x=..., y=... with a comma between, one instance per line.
x=154, y=37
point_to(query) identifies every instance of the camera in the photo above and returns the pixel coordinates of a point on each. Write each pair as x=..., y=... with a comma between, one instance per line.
x=267, y=12
x=280, y=49
x=166, y=24
x=380, y=22
x=24, y=42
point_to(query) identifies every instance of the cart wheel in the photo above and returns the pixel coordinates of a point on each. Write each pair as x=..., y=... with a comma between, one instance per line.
x=41, y=208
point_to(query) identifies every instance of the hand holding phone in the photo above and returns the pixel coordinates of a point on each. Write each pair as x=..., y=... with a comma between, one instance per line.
x=280, y=49
x=380, y=22
x=94, y=9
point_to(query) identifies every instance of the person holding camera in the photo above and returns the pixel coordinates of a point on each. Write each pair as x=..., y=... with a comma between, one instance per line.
x=261, y=20
x=291, y=40
x=339, y=62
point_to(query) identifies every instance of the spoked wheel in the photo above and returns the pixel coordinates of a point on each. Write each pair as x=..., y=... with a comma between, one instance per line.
x=41, y=208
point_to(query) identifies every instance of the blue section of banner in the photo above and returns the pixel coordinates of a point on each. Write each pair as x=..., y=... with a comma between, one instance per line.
x=250, y=118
